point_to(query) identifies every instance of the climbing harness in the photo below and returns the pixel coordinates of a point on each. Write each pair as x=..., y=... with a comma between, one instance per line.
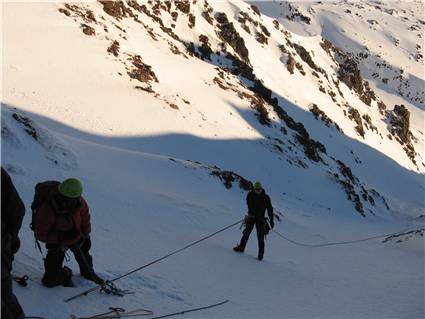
x=86, y=292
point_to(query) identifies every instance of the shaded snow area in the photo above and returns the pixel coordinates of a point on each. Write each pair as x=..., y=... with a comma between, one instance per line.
x=167, y=111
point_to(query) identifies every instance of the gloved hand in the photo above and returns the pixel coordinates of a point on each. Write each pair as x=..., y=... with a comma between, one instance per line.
x=272, y=224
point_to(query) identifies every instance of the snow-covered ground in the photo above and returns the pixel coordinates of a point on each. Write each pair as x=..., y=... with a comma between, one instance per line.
x=70, y=109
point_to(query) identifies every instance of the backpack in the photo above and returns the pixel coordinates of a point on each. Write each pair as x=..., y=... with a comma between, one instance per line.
x=42, y=194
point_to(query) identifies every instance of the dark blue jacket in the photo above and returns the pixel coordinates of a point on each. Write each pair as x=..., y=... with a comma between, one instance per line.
x=258, y=203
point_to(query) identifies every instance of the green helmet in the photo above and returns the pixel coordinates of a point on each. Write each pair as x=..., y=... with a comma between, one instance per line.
x=71, y=188
x=257, y=185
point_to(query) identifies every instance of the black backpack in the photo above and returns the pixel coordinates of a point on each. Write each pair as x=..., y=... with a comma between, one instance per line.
x=42, y=194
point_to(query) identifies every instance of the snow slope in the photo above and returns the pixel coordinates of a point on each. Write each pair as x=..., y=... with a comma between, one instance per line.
x=70, y=108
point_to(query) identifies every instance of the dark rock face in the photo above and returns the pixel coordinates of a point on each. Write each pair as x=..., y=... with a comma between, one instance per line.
x=114, y=48
x=300, y=68
x=141, y=71
x=229, y=35
x=190, y=47
x=399, y=238
x=348, y=184
x=382, y=107
x=255, y=9
x=263, y=113
x=353, y=187
x=346, y=172
x=305, y=56
x=368, y=123
x=399, y=120
x=72, y=10
x=28, y=125
x=115, y=9
x=192, y=21
x=241, y=68
x=355, y=116
x=88, y=30
x=290, y=64
x=297, y=14
x=206, y=14
x=319, y=114
x=261, y=38
x=183, y=6
x=205, y=48
x=65, y=12
x=228, y=177
x=327, y=46
x=312, y=148
x=349, y=73
x=207, y=17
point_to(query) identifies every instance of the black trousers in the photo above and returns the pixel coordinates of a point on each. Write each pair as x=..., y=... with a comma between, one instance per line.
x=10, y=307
x=260, y=225
x=54, y=271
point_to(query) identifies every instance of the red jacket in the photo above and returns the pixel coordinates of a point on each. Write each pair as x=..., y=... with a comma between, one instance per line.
x=51, y=227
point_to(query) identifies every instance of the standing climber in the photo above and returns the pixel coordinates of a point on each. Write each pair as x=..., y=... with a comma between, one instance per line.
x=12, y=213
x=61, y=220
x=258, y=201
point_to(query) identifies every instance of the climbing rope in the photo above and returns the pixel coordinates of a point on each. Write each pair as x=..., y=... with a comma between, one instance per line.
x=334, y=243
x=191, y=310
x=85, y=293
x=117, y=312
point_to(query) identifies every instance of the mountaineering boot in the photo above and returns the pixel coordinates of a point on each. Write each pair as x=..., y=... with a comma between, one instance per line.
x=241, y=247
x=95, y=278
x=244, y=240
x=260, y=249
x=85, y=261
x=238, y=249
x=92, y=276
x=67, y=282
x=86, y=269
x=55, y=274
